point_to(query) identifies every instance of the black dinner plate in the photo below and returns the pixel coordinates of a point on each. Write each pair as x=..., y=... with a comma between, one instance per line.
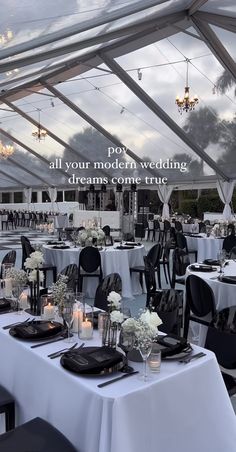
x=4, y=304
x=133, y=244
x=37, y=330
x=124, y=247
x=93, y=361
x=61, y=247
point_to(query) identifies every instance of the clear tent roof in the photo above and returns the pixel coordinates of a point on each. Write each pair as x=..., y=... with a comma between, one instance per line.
x=106, y=75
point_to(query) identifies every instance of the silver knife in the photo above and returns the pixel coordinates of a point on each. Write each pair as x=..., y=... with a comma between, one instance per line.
x=106, y=383
x=191, y=358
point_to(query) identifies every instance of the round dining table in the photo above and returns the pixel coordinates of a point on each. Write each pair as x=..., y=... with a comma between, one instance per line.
x=207, y=247
x=224, y=292
x=113, y=260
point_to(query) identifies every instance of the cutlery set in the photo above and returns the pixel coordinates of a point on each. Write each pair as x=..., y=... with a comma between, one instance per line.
x=64, y=350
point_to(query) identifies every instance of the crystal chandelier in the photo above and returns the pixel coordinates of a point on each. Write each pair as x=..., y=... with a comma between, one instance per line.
x=186, y=103
x=6, y=151
x=39, y=134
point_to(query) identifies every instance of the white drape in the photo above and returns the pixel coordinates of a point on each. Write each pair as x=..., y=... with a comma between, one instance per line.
x=52, y=191
x=164, y=193
x=225, y=191
x=28, y=195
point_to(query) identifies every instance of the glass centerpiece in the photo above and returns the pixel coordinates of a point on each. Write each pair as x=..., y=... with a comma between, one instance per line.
x=35, y=277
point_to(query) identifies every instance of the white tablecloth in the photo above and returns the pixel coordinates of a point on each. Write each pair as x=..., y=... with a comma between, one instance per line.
x=113, y=261
x=185, y=408
x=207, y=247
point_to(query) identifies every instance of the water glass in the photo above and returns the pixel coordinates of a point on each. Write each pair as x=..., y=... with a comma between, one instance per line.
x=154, y=359
x=102, y=320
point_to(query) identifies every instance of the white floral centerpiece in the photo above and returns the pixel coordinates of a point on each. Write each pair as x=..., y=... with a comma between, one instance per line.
x=18, y=277
x=59, y=289
x=90, y=236
x=144, y=328
x=114, y=320
x=35, y=276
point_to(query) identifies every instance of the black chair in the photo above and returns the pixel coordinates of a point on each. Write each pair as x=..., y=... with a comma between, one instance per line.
x=166, y=231
x=231, y=229
x=9, y=258
x=232, y=254
x=202, y=227
x=182, y=243
x=229, y=242
x=36, y=435
x=7, y=407
x=180, y=263
x=153, y=255
x=221, y=339
x=178, y=226
x=165, y=260
x=200, y=302
x=168, y=304
x=27, y=249
x=71, y=271
x=89, y=265
x=139, y=230
x=107, y=230
x=110, y=283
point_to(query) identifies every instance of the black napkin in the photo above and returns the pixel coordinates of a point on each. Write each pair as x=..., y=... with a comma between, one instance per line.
x=211, y=262
x=91, y=360
x=124, y=247
x=55, y=242
x=202, y=268
x=228, y=279
x=132, y=244
x=61, y=247
x=4, y=304
x=38, y=329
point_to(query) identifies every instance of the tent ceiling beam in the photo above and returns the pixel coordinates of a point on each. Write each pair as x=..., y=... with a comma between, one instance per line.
x=226, y=22
x=12, y=178
x=97, y=126
x=78, y=28
x=158, y=111
x=28, y=149
x=51, y=134
x=14, y=162
x=101, y=38
x=215, y=46
x=195, y=5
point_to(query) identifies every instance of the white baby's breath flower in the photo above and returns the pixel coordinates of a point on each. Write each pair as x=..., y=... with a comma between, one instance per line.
x=116, y=317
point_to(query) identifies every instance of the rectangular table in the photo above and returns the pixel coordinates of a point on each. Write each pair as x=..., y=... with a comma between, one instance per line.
x=185, y=408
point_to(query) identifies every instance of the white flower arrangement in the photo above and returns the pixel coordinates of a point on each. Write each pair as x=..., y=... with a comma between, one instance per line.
x=19, y=277
x=87, y=236
x=145, y=328
x=34, y=261
x=59, y=289
x=33, y=276
x=114, y=299
x=116, y=317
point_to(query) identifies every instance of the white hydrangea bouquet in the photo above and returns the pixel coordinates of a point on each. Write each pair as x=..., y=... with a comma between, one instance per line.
x=91, y=236
x=32, y=263
x=114, y=304
x=113, y=320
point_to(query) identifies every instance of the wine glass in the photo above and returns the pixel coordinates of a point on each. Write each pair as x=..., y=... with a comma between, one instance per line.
x=145, y=348
x=126, y=343
x=67, y=315
x=221, y=256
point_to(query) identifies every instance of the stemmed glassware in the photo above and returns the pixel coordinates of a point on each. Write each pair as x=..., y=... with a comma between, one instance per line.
x=126, y=343
x=221, y=256
x=145, y=348
x=16, y=292
x=68, y=313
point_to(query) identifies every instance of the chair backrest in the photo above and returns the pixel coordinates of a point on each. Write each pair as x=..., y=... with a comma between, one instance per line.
x=221, y=337
x=180, y=262
x=27, y=249
x=166, y=303
x=150, y=280
x=110, y=283
x=178, y=226
x=106, y=229
x=233, y=253
x=229, y=242
x=89, y=259
x=202, y=227
x=167, y=225
x=156, y=225
x=181, y=241
x=231, y=229
x=154, y=254
x=9, y=258
x=199, y=296
x=71, y=271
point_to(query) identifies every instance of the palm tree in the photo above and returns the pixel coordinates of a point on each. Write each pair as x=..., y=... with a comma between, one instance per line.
x=225, y=82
